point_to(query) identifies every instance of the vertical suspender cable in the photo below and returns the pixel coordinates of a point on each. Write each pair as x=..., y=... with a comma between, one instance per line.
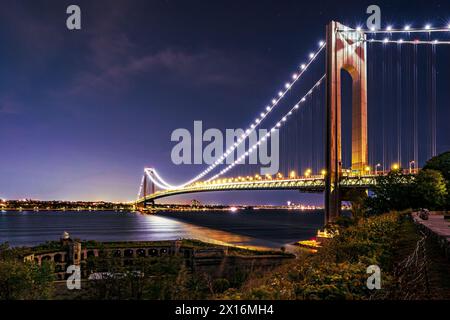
x=399, y=105
x=433, y=101
x=415, y=109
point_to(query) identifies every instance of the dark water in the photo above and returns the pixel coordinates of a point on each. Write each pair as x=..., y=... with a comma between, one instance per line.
x=258, y=228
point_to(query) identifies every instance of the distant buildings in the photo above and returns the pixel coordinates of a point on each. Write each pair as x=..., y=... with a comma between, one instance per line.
x=38, y=205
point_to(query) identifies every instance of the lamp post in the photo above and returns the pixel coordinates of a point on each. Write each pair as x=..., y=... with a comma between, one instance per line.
x=376, y=168
x=411, y=163
x=307, y=173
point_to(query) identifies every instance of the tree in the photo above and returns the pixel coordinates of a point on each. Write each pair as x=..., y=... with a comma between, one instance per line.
x=430, y=189
x=20, y=281
x=357, y=200
x=441, y=163
x=391, y=192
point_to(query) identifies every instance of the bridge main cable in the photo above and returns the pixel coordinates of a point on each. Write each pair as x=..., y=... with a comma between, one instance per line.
x=268, y=135
x=155, y=178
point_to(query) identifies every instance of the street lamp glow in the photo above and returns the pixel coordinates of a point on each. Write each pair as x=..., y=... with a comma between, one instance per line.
x=389, y=28
x=302, y=66
x=358, y=28
x=428, y=27
x=376, y=168
x=386, y=40
x=407, y=28
x=307, y=172
x=311, y=55
x=293, y=174
x=411, y=164
x=321, y=43
x=323, y=172
x=395, y=166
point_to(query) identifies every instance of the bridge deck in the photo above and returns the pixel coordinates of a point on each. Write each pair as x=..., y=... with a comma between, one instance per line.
x=311, y=184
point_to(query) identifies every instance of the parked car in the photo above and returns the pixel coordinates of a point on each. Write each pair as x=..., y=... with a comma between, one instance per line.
x=423, y=214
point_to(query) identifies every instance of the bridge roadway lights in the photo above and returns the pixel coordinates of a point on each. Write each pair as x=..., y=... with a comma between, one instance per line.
x=311, y=185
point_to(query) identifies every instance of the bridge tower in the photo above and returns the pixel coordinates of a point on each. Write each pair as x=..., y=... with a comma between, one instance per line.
x=345, y=51
x=145, y=191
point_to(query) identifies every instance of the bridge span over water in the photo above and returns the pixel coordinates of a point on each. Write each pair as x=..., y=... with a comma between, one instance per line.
x=302, y=184
x=318, y=135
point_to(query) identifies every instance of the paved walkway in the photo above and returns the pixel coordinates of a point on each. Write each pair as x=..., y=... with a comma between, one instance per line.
x=438, y=227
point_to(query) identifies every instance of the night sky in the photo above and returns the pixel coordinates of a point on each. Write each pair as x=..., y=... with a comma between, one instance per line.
x=83, y=112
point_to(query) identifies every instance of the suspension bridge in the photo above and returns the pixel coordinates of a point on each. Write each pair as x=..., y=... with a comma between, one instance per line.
x=324, y=146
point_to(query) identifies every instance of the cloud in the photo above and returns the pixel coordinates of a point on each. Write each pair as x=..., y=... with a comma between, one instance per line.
x=209, y=67
x=111, y=60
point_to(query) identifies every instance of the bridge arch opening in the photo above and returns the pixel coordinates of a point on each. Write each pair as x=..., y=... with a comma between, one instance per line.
x=128, y=253
x=58, y=257
x=346, y=107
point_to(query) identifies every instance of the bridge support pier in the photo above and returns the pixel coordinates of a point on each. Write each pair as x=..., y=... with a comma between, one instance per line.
x=148, y=203
x=345, y=51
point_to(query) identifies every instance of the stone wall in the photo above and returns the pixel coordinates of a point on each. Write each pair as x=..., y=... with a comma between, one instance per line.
x=437, y=228
x=216, y=261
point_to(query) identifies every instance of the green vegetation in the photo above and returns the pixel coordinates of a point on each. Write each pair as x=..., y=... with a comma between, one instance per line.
x=23, y=281
x=429, y=189
x=166, y=277
x=162, y=278
x=441, y=163
x=390, y=193
x=147, y=278
x=338, y=270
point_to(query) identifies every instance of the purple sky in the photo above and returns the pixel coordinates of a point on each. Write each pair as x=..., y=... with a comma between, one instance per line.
x=83, y=112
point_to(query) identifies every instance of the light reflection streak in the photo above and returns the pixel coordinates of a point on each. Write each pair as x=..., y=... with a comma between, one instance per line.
x=213, y=236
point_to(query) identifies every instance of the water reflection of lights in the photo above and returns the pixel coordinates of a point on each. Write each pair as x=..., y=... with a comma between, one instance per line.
x=172, y=229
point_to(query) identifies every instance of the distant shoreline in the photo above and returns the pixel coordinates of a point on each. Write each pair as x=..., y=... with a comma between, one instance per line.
x=163, y=209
